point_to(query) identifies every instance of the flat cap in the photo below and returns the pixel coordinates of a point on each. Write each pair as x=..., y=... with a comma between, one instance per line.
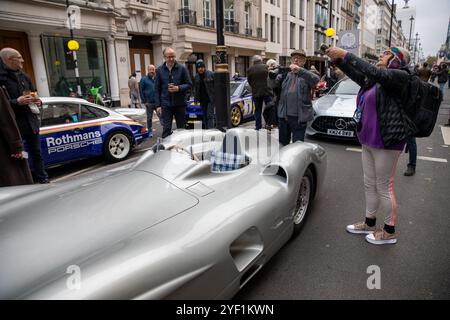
x=298, y=52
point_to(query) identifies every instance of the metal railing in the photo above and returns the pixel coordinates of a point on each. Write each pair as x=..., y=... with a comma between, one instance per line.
x=187, y=16
x=208, y=23
x=259, y=32
x=248, y=31
x=231, y=26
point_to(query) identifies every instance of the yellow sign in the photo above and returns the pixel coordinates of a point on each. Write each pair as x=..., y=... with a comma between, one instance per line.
x=330, y=32
x=73, y=45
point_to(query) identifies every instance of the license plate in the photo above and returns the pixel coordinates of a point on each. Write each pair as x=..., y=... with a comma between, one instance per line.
x=341, y=133
x=192, y=116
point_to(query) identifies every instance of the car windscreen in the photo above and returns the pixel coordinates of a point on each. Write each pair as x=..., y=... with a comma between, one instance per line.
x=345, y=87
x=234, y=88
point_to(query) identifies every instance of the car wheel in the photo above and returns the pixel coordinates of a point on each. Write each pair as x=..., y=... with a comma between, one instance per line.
x=118, y=146
x=304, y=200
x=235, y=116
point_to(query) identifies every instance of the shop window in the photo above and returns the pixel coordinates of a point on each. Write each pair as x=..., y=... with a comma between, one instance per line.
x=60, y=66
x=242, y=64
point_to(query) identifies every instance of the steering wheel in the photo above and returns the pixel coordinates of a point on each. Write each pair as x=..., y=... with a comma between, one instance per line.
x=182, y=149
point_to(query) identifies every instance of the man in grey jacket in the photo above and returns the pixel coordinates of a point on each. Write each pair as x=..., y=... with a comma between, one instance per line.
x=295, y=107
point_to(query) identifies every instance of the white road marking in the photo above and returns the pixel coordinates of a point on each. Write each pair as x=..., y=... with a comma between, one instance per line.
x=432, y=159
x=446, y=134
x=419, y=157
x=354, y=149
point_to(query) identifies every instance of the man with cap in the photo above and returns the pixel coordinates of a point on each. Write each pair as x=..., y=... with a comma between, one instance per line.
x=204, y=93
x=257, y=76
x=295, y=106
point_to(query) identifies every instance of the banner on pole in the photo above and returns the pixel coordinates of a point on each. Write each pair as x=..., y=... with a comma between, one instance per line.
x=349, y=40
x=73, y=20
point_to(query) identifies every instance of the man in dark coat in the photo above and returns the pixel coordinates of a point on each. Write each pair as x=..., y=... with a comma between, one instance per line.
x=172, y=82
x=24, y=104
x=257, y=76
x=14, y=168
x=204, y=93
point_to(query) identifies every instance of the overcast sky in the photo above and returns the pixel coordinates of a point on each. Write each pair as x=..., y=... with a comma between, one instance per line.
x=431, y=22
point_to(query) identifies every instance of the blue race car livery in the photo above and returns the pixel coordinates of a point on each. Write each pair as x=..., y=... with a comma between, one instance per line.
x=73, y=129
x=241, y=104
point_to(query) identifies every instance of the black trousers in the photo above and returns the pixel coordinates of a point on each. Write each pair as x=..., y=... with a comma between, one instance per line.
x=34, y=149
x=290, y=127
x=168, y=113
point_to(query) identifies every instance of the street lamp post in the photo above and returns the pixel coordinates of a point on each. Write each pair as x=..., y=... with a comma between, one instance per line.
x=410, y=31
x=392, y=18
x=221, y=75
x=74, y=52
x=415, y=46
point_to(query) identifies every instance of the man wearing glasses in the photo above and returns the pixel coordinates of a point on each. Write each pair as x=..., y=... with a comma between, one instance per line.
x=295, y=107
x=172, y=82
x=24, y=101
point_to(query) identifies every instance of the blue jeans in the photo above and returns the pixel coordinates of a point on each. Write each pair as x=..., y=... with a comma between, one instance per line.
x=290, y=127
x=34, y=149
x=258, y=109
x=412, y=149
x=150, y=109
x=442, y=87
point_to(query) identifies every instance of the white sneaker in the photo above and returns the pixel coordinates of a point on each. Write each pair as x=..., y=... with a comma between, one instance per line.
x=360, y=228
x=380, y=236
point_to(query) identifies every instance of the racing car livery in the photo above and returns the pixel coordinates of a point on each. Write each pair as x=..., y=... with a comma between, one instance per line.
x=242, y=106
x=73, y=129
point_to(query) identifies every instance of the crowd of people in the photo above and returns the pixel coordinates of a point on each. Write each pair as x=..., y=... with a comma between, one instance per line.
x=282, y=97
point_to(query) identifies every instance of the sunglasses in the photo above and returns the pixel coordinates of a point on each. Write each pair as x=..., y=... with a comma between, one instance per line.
x=387, y=52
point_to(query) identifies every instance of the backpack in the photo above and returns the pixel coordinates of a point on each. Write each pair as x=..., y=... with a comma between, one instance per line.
x=422, y=107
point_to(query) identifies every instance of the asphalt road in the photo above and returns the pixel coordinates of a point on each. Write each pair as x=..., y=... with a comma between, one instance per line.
x=326, y=262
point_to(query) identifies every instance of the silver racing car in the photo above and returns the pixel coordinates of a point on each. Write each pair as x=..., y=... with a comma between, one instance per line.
x=195, y=218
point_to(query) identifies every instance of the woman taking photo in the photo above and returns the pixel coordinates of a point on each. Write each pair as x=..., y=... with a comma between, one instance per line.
x=381, y=132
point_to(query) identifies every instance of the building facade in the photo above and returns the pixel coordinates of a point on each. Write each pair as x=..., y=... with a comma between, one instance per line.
x=115, y=37
x=119, y=37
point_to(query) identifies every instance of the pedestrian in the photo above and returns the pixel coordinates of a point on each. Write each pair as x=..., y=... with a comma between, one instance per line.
x=236, y=77
x=172, y=82
x=434, y=73
x=133, y=85
x=330, y=78
x=442, y=76
x=424, y=73
x=14, y=169
x=295, y=106
x=314, y=70
x=204, y=93
x=270, y=111
x=147, y=91
x=411, y=148
x=377, y=116
x=24, y=102
x=257, y=76
x=448, y=74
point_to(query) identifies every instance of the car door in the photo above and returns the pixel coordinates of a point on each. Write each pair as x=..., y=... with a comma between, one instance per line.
x=58, y=132
x=92, y=129
x=248, y=107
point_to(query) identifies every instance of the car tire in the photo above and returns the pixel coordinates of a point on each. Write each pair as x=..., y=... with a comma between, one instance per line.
x=303, y=201
x=118, y=146
x=235, y=116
